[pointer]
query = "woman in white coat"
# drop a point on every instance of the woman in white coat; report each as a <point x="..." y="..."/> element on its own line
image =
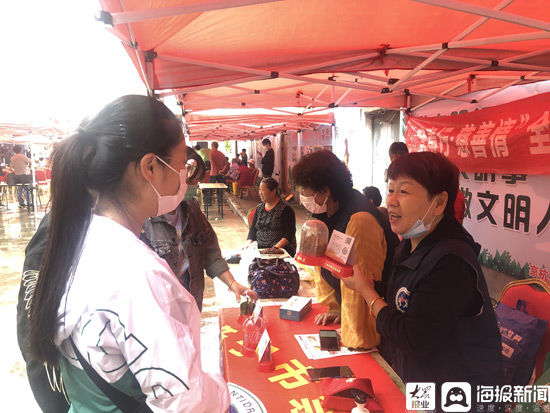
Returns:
<point x="103" y="298"/>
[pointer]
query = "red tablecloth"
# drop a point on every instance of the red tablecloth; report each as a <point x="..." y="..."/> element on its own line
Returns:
<point x="287" y="388"/>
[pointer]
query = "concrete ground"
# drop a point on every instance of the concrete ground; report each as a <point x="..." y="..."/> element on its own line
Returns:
<point x="17" y="227"/>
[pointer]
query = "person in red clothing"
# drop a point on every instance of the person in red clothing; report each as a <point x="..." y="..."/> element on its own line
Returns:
<point x="245" y="175"/>
<point x="217" y="163"/>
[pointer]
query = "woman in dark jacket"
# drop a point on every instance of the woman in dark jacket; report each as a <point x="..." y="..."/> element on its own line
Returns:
<point x="437" y="316"/>
<point x="274" y="224"/>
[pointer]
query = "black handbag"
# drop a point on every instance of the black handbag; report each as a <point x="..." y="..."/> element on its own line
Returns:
<point x="274" y="278"/>
<point x="121" y="400"/>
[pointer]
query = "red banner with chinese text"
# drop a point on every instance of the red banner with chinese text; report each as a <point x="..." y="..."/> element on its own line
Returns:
<point x="514" y="137"/>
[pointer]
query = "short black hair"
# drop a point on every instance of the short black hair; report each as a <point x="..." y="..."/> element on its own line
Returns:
<point x="215" y="145"/>
<point x="17" y="148"/>
<point x="271" y="184"/>
<point x="398" y="148"/>
<point x="243" y="150"/>
<point x="197" y="147"/>
<point x="323" y="169"/>
<point x="433" y="170"/>
<point x="373" y="193"/>
<point x="266" y="141"/>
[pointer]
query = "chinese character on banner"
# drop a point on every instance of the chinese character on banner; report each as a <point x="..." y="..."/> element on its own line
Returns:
<point x="468" y="201"/>
<point x="540" y="135"/>
<point x="512" y="179"/>
<point x="523" y="120"/>
<point x="462" y="140"/>
<point x="479" y="139"/>
<point x="444" y="140"/>
<point x="484" y="177"/>
<point x="544" y="222"/>
<point x="487" y="207"/>
<point x="433" y="141"/>
<point x="517" y="210"/>
<point x="499" y="146"/>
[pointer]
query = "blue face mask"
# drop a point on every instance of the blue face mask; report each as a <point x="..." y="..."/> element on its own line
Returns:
<point x="191" y="192"/>
<point x="418" y="229"/>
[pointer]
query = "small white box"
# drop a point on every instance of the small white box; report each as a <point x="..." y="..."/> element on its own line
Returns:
<point x="295" y="308"/>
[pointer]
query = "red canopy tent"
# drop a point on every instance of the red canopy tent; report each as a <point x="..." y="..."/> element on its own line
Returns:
<point x="398" y="54"/>
<point x="250" y="125"/>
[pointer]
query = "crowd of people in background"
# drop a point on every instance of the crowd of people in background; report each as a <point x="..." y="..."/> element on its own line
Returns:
<point x="417" y="285"/>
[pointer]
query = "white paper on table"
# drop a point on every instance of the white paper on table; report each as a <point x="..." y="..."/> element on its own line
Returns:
<point x="312" y="348"/>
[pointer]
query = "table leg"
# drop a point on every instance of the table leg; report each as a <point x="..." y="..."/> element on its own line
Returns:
<point x="221" y="203"/>
<point x="206" y="204"/>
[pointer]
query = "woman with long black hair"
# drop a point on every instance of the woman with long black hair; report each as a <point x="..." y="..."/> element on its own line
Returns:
<point x="104" y="299"/>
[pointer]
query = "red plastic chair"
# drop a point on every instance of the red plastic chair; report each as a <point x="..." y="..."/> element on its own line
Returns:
<point x="250" y="216"/>
<point x="536" y="293"/>
<point x="40" y="176"/>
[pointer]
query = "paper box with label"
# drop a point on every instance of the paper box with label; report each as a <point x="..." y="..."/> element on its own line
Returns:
<point x="295" y="308"/>
<point x="340" y="248"/>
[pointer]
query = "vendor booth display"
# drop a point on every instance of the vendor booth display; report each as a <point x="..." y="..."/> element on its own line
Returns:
<point x="317" y="250"/>
<point x="289" y="387"/>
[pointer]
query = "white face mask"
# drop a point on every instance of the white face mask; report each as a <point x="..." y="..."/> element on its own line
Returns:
<point x="309" y="203"/>
<point x="167" y="203"/>
<point x="418" y="229"/>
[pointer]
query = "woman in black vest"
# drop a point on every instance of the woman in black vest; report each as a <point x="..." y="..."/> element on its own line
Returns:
<point x="437" y="316"/>
<point x="274" y="224"/>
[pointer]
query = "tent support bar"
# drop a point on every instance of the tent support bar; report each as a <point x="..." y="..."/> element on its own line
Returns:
<point x="211" y="86"/>
<point x="515" y="66"/>
<point x="374" y="97"/>
<point x="264" y="73"/>
<point x="438" y="53"/>
<point x="525" y="55"/>
<point x="473" y="42"/>
<point x="368" y="76"/>
<point x="483" y="75"/>
<point x="444" y="75"/>
<point x="341" y="98"/>
<point x="441" y="96"/>
<point x="138" y="57"/>
<point x="500" y="89"/>
<point x="419" y="67"/>
<point x="487" y="12"/>
<point x="481" y="21"/>
<point x="443" y="93"/>
<point x="199" y="7"/>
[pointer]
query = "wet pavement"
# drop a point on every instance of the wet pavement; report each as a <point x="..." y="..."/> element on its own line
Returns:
<point x="17" y="226"/>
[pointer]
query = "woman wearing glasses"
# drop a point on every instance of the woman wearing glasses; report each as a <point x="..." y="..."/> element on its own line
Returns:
<point x="187" y="241"/>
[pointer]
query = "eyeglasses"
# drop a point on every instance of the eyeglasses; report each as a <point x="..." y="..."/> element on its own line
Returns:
<point x="192" y="167"/>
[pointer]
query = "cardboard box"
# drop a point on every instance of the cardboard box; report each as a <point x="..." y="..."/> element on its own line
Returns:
<point x="295" y="308"/>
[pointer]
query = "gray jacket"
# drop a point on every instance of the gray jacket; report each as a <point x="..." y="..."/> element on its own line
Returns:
<point x="200" y="247"/>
